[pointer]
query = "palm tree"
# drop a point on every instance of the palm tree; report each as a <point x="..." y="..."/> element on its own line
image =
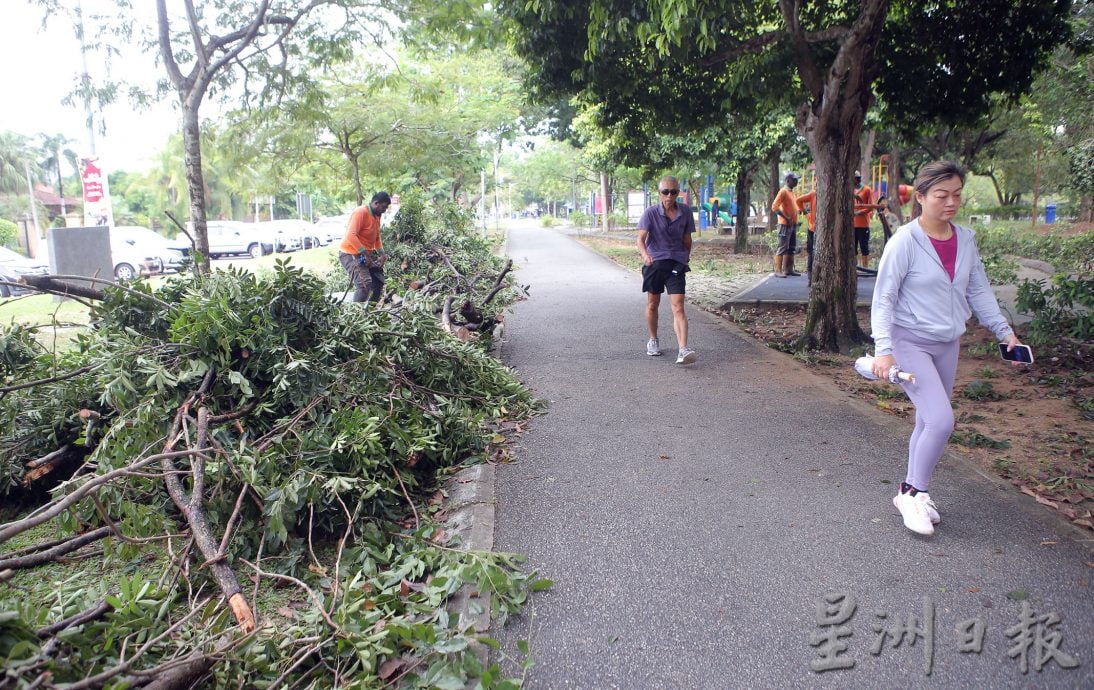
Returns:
<point x="53" y="154"/>
<point x="15" y="155"/>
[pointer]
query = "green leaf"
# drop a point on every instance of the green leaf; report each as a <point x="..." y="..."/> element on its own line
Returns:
<point x="541" y="585"/>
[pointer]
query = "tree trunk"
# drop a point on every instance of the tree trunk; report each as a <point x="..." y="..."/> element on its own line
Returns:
<point x="355" y="166"/>
<point x="195" y="178"/>
<point x="606" y="195"/>
<point x="894" y="183"/>
<point x="1086" y="209"/>
<point x="743" y="190"/>
<point x="1000" y="197"/>
<point x="774" y="182"/>
<point x="831" y="320"/>
<point x="832" y="124"/>
<point x="864" y="166"/>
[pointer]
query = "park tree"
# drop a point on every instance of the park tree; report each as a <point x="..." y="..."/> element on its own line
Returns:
<point x="54" y="154"/>
<point x="400" y="121"/>
<point x="834" y="57"/>
<point x="16" y="155"/>
<point x="253" y="52"/>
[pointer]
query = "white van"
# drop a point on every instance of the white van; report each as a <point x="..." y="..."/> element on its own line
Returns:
<point x="136" y="251"/>
<point x="228" y="237"/>
<point x="331" y="230"/>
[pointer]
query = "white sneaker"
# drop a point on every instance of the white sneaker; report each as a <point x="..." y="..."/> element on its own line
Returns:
<point x="914" y="511"/>
<point x="932" y="509"/>
<point x="687" y="356"/>
<point x="652" y="348"/>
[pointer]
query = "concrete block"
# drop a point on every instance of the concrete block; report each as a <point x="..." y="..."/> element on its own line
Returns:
<point x="81" y="252"/>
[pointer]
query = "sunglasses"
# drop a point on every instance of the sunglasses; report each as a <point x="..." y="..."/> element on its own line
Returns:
<point x="670" y="191"/>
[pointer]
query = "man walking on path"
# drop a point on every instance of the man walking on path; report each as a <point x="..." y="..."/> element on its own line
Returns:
<point x="785" y="207"/>
<point x="664" y="241"/>
<point x="362" y="251"/>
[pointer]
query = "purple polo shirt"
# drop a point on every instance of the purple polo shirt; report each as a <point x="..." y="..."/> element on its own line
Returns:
<point x="666" y="238"/>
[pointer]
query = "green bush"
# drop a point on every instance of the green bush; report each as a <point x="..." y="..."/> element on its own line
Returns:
<point x="548" y="221"/>
<point x="9" y="231"/>
<point x="1073" y="253"/>
<point x="579" y="218"/>
<point x="618" y="220"/>
<point x="1066" y="308"/>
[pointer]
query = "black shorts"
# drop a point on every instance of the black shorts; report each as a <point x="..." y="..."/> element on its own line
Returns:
<point x="862" y="239"/>
<point x="664" y="275"/>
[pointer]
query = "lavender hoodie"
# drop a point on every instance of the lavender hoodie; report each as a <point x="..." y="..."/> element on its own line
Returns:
<point x="914" y="291"/>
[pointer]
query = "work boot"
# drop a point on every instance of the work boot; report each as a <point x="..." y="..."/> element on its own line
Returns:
<point x="789" y="266"/>
<point x="779" y="259"/>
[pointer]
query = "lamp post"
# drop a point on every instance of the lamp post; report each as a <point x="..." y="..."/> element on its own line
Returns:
<point x="510" y="200"/>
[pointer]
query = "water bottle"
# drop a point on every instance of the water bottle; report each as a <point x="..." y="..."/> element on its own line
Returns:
<point x="865" y="367"/>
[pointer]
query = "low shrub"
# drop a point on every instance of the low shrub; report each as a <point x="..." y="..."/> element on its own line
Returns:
<point x="1066" y="308"/>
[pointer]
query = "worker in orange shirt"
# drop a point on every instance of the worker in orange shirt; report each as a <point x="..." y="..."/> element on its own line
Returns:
<point x="864" y="213"/>
<point x="785" y="207"/>
<point x="362" y="251"/>
<point x="808" y="203"/>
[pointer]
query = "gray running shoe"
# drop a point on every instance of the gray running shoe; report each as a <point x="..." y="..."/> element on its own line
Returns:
<point x="687" y="356"/>
<point x="652" y="348"/>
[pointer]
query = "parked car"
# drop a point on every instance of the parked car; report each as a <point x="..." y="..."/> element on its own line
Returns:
<point x="331" y="230"/>
<point x="14" y="266"/>
<point x="293" y="234"/>
<point x="227" y="237"/>
<point x="136" y="250"/>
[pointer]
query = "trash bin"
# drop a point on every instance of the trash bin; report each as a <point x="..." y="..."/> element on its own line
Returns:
<point x="1050" y="213"/>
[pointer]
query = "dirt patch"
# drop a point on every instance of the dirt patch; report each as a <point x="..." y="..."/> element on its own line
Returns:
<point x="1031" y="425"/>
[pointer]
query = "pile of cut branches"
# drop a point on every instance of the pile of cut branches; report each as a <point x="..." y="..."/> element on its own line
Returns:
<point x="253" y="468"/>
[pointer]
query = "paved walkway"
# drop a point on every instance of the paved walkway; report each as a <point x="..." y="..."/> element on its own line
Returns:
<point x="693" y="518"/>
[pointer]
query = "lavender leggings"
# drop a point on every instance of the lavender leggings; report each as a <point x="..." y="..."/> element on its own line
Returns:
<point x="935" y="366"/>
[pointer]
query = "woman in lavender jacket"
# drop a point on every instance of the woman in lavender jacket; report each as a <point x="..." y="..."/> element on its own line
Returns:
<point x="930" y="280"/>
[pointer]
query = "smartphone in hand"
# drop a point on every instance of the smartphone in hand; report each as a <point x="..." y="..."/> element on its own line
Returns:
<point x="1020" y="353"/>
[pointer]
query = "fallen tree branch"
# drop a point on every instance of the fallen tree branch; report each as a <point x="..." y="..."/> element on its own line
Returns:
<point x="53" y="379"/>
<point x="50" y="457"/>
<point x="94" y="613"/>
<point x="100" y="679"/>
<point x="446" y="321"/>
<point x="308" y="590"/>
<point x="50" y="554"/>
<point x="52" y="285"/>
<point x="417" y="523"/>
<point x="194" y="512"/>
<point x="498" y="283"/>
<point x="10" y="529"/>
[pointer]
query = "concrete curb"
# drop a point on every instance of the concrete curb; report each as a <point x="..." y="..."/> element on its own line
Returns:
<point x="470" y="506"/>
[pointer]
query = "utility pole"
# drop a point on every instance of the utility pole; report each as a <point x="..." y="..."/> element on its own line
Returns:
<point x="1036" y="185"/>
<point x="482" y="200"/>
<point x="85" y="78"/>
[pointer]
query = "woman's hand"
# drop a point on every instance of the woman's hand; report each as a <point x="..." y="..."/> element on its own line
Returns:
<point x="882" y="365"/>
<point x="1010" y="341"/>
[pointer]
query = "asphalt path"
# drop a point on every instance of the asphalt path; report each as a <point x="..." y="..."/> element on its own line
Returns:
<point x="694" y="518"/>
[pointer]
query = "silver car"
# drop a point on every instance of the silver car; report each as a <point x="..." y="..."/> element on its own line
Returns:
<point x="14" y="266"/>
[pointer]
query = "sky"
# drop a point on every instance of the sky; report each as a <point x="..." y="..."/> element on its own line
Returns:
<point x="41" y="66"/>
